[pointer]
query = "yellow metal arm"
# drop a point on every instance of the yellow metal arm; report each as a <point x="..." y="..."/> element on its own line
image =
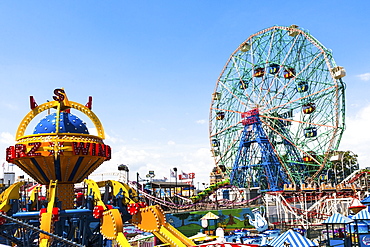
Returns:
<point x="92" y="187"/>
<point x="12" y="192"/>
<point x="130" y="195"/>
<point x="152" y="219"/>
<point x="148" y="219"/>
<point x="111" y="225"/>
<point x="46" y="221"/>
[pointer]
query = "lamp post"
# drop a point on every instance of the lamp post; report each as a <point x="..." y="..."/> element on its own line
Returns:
<point x="175" y="170"/>
<point x="341" y="160"/>
<point x="137" y="183"/>
<point x="124" y="168"/>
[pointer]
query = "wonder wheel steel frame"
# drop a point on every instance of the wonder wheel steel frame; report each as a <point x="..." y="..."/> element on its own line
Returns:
<point x="277" y="109"/>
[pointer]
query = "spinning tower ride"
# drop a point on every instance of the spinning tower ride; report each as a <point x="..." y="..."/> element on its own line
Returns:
<point x="58" y="154"/>
<point x="60" y="147"/>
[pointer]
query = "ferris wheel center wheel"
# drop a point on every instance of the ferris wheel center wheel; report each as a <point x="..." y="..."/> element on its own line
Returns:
<point x="277" y="110"/>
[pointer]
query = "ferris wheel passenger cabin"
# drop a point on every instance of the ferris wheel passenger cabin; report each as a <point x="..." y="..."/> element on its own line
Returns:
<point x="274" y="68"/>
<point x="220" y="115"/>
<point x="339" y="72"/>
<point x="216" y="96"/>
<point x="289" y="73"/>
<point x="310" y="132"/>
<point x="243" y="84"/>
<point x="308" y="108"/>
<point x="259" y="72"/>
<point x="215" y="143"/>
<point x="302" y="87"/>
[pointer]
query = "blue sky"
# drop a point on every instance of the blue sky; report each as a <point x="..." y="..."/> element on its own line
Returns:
<point x="151" y="67"/>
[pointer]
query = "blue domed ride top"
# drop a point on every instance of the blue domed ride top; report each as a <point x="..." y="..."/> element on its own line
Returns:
<point x="68" y="123"/>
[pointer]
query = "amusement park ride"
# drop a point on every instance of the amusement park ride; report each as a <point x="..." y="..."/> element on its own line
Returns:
<point x="276" y="120"/>
<point x="277" y="116"/>
<point x="59" y="154"/>
<point x="277" y="110"/>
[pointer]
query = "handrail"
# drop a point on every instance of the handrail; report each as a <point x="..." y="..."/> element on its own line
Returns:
<point x="31" y="227"/>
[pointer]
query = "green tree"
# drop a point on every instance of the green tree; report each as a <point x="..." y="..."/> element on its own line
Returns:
<point x="344" y="163"/>
<point x="182" y="217"/>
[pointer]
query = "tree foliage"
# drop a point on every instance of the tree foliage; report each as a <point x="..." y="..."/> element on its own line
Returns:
<point x="343" y="163"/>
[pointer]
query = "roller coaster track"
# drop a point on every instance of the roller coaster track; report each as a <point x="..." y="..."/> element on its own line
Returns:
<point x="293" y="210"/>
<point x="184" y="198"/>
<point x="33" y="228"/>
<point x="354" y="176"/>
<point x="317" y="212"/>
<point x="224" y="203"/>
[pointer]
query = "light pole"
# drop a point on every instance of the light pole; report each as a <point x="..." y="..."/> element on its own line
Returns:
<point x="124" y="168"/>
<point x="341" y="160"/>
<point x="137" y="183"/>
<point x="175" y="170"/>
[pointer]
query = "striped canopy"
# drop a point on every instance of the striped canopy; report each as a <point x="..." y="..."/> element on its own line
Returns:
<point x="366" y="201"/>
<point x="337" y="218"/>
<point x="293" y="238"/>
<point x="362" y="215"/>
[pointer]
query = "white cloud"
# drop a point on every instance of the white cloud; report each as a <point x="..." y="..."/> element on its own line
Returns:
<point x="161" y="159"/>
<point x="364" y="77"/>
<point x="142" y="158"/>
<point x="111" y="139"/>
<point x="7" y="138"/>
<point x="136" y="159"/>
<point x="202" y="121"/>
<point x="93" y="131"/>
<point x="356" y="137"/>
<point x="147" y="121"/>
<point x="11" y="106"/>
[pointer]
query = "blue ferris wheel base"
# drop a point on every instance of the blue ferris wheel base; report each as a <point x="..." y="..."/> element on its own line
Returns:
<point x="259" y="165"/>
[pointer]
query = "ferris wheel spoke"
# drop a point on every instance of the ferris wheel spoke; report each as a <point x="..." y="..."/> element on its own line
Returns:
<point x="265" y="59"/>
<point x="297" y="121"/>
<point x="288" y="140"/>
<point x="285" y="86"/>
<point x="226" y="129"/>
<point x="280" y="92"/>
<point x="232" y="93"/>
<point x="298" y="99"/>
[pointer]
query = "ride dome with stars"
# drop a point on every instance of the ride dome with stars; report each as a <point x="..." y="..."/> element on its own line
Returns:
<point x="68" y="123"/>
<point x="60" y="147"/>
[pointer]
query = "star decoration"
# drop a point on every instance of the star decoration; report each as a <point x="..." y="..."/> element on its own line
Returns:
<point x="56" y="148"/>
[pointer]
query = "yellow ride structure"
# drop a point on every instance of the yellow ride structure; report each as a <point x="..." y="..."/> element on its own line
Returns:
<point x="57" y="155"/>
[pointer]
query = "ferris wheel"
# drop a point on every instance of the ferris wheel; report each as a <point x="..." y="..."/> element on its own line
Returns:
<point x="277" y="109"/>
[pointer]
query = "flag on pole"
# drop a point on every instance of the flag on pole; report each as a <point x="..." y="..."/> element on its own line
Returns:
<point x="172" y="174"/>
<point x="184" y="175"/>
